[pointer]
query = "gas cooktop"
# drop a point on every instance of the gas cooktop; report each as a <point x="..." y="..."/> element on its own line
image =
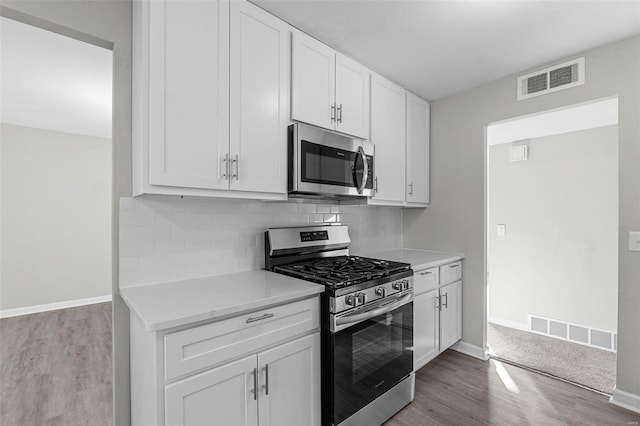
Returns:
<point x="341" y="271"/>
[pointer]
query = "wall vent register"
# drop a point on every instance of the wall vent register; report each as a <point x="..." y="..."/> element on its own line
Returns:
<point x="548" y="80"/>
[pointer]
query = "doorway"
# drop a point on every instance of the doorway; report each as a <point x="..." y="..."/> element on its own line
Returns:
<point x="56" y="187"/>
<point x="552" y="242"/>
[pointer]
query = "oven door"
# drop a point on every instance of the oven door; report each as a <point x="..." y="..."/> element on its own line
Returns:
<point x="372" y="351"/>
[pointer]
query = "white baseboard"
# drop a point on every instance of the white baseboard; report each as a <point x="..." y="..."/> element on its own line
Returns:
<point x="625" y="400"/>
<point x="471" y="350"/>
<point x="53" y="306"/>
<point x="508" y="323"/>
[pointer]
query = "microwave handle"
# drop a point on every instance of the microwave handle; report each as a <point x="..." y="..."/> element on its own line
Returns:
<point x="365" y="173"/>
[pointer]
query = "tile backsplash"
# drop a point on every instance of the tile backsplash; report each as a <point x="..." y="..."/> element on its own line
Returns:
<point x="170" y="238"/>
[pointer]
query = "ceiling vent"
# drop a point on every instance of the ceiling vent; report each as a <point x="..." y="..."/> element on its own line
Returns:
<point x="558" y="77"/>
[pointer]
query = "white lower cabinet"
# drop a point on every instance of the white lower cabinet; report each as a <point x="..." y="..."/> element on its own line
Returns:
<point x="426" y="328"/>
<point x="290" y="383"/>
<point x="450" y="314"/>
<point x="437" y="313"/>
<point x="221" y="396"/>
<point x="280" y="386"/>
<point x="259" y="368"/>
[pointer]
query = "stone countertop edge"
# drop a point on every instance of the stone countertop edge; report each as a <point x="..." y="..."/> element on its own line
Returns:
<point x="162" y="306"/>
<point x="418" y="258"/>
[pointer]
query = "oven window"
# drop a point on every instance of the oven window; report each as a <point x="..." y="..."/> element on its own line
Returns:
<point x="326" y="165"/>
<point x="370" y="358"/>
<point x="375" y="346"/>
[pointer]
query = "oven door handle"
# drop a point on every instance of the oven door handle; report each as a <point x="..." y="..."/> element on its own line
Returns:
<point x="345" y="321"/>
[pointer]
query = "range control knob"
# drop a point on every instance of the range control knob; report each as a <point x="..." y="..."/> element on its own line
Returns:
<point x="397" y="285"/>
<point x="405" y="284"/>
<point x="350" y="300"/>
<point x="381" y="291"/>
<point x="362" y="298"/>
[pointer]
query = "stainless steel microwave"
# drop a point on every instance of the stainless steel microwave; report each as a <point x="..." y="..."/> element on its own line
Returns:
<point x="327" y="164"/>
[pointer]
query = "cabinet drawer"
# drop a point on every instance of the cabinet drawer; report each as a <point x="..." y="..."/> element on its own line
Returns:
<point x="425" y="280"/>
<point x="450" y="273"/>
<point x="207" y="345"/>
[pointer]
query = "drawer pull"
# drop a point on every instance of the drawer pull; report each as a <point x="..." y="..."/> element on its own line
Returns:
<point x="454" y="266"/>
<point x="260" y="318"/>
<point x="426" y="273"/>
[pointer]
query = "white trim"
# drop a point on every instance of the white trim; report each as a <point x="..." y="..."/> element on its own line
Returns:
<point x="471" y="350"/>
<point x="508" y="323"/>
<point x="54" y="306"/>
<point x="625" y="400"/>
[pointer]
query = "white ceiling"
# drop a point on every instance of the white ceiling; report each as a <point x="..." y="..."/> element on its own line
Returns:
<point x="50" y="81"/>
<point x="437" y="48"/>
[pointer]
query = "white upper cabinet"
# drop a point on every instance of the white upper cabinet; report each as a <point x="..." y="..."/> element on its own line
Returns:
<point x="388" y="137"/>
<point x="259" y="101"/>
<point x="417" y="194"/>
<point x="210" y="99"/>
<point x="329" y="90"/>
<point x="188" y="92"/>
<point x="313" y="81"/>
<point x="352" y="97"/>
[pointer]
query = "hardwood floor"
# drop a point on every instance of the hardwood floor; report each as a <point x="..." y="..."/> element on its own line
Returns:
<point x="455" y="389"/>
<point x="55" y="367"/>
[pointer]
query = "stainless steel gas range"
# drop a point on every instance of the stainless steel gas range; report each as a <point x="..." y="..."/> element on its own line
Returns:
<point x="367" y="322"/>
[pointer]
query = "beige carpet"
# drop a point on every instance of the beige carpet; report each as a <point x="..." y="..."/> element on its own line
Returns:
<point x="586" y="366"/>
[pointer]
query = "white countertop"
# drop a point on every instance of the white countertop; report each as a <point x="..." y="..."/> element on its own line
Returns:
<point x="419" y="259"/>
<point x="167" y="305"/>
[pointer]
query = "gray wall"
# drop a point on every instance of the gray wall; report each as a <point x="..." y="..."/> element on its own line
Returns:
<point x="559" y="257"/>
<point x="106" y="23"/>
<point x="56" y="219"/>
<point x="456" y="218"/>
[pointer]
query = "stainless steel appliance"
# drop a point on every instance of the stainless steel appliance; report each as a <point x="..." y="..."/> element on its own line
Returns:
<point x="327" y="164"/>
<point x="367" y="322"/>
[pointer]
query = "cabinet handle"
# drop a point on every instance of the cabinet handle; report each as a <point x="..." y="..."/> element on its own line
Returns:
<point x="266" y="379"/>
<point x="340" y="114"/>
<point x="333" y="112"/>
<point x="446" y="300"/>
<point x="454" y="266"/>
<point x="426" y="273"/>
<point x="260" y="318"/>
<point x="375" y="184"/>
<point x="225" y="164"/>
<point x="438" y="304"/>
<point x="237" y="164"/>
<point x="411" y="188"/>
<point x="254" y="391"/>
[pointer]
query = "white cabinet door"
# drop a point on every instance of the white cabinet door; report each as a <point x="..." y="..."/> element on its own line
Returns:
<point x="259" y="102"/>
<point x="388" y="137"/>
<point x="417" y="151"/>
<point x="313" y="81"/>
<point x="450" y="314"/>
<point x="352" y="97"/>
<point x="290" y="395"/>
<point x="222" y="396"/>
<point x="426" y="327"/>
<point x="188" y="93"/>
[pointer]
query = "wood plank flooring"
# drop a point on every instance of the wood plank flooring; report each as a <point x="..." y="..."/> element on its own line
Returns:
<point x="455" y="389"/>
<point x="55" y="367"/>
